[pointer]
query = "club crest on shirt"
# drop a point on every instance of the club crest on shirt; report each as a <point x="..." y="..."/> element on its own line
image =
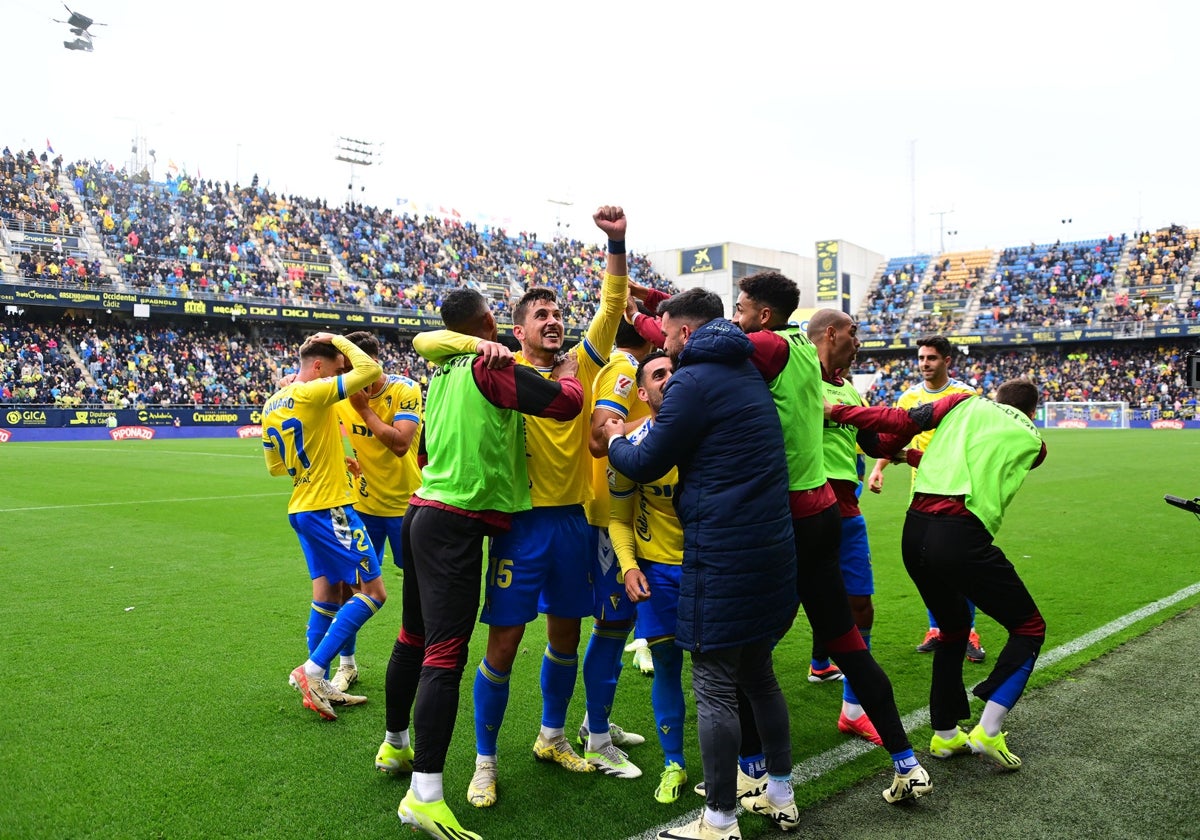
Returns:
<point x="622" y="385"/>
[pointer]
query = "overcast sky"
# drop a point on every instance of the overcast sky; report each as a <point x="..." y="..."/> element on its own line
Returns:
<point x="775" y="124"/>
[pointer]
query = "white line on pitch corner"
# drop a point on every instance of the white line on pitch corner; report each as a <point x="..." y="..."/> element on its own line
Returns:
<point x="143" y="502"/>
<point x="831" y="759"/>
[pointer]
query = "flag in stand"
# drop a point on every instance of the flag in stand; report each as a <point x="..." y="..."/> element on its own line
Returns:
<point x="49" y="148"/>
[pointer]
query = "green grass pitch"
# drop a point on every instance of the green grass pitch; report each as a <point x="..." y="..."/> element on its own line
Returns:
<point x="156" y="601"/>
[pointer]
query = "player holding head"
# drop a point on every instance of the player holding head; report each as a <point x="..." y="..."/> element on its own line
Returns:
<point x="648" y="542"/>
<point x="969" y="474"/>
<point x="473" y="485"/>
<point x="381" y="423"/>
<point x="934" y="355"/>
<point x="302" y="439"/>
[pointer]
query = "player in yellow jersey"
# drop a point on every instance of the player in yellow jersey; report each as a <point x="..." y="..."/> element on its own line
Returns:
<point x="934" y="354"/>
<point x="544" y="563"/>
<point x="302" y="439"/>
<point x="648" y="541"/>
<point x="382" y="423"/>
<point x="614" y="394"/>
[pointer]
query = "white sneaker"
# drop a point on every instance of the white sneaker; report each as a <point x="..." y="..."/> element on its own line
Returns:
<point x="612" y="762"/>
<point x="344" y="677"/>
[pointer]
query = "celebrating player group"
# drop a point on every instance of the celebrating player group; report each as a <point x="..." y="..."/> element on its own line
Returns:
<point x="693" y="476"/>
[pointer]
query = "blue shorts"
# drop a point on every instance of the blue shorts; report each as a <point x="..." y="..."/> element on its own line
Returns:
<point x="656" y="617"/>
<point x="544" y="564"/>
<point x="385" y="529"/>
<point x="611" y="602"/>
<point x="336" y="545"/>
<point x="855" y="557"/>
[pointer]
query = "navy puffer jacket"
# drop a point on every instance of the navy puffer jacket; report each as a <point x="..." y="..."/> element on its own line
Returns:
<point x="719" y="424"/>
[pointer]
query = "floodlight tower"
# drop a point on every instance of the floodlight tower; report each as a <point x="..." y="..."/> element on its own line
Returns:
<point x="357" y="153"/>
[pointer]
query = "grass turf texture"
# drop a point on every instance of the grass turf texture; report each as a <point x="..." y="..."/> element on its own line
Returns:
<point x="174" y="718"/>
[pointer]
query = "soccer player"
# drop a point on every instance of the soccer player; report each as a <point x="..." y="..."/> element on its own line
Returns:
<point x="648" y="542"/>
<point x="614" y="394"/>
<point x="382" y="422"/>
<point x="788" y="361"/>
<point x="934" y="354"/>
<point x="835" y="336"/>
<point x="737" y="579"/>
<point x="544" y="563"/>
<point x="970" y="472"/>
<point x="301" y="438"/>
<point x="474" y="482"/>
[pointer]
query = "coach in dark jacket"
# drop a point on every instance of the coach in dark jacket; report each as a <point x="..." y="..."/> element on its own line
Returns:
<point x="719" y="425"/>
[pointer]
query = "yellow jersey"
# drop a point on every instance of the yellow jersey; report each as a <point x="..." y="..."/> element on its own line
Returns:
<point x="642" y="519"/>
<point x="301" y="435"/>
<point x="387" y="481"/>
<point x="920" y="395"/>
<point x="615" y="390"/>
<point x="560" y="465"/>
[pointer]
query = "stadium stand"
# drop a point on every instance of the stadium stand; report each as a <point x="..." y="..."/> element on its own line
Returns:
<point x="91" y="226"/>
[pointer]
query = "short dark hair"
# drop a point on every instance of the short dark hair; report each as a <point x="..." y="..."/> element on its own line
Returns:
<point x="770" y="288"/>
<point x="939" y="343"/>
<point x="1020" y="393"/>
<point x="365" y="342"/>
<point x="627" y="336"/>
<point x="657" y="354"/>
<point x="531" y="296"/>
<point x="696" y="305"/>
<point x="318" y="350"/>
<point x="462" y="306"/>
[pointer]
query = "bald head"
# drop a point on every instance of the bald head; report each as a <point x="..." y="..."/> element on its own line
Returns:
<point x="822" y="320"/>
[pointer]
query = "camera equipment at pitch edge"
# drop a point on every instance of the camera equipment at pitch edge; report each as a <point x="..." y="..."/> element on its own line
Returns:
<point x="1191" y="505"/>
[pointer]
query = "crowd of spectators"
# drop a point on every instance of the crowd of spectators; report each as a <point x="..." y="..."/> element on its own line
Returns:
<point x="1161" y="256"/>
<point x="888" y="301"/>
<point x="1151" y="377"/>
<point x="138" y="365"/>
<point x="403" y="261"/>
<point x="123" y="364"/>
<point x="29" y="193"/>
<point x="1059" y="285"/>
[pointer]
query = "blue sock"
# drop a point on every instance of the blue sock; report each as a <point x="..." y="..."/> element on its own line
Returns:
<point x="819" y="664"/>
<point x="1011" y="689"/>
<point x="319" y="618"/>
<point x="558" y="684"/>
<point x="754" y="765"/>
<point x="904" y="761"/>
<point x="848" y="695"/>
<point x="491" y="700"/>
<point x="971" y="605"/>
<point x="351" y="644"/>
<point x="353" y="615"/>
<point x="933" y="621"/>
<point x="666" y="698"/>
<point x="601" y="665"/>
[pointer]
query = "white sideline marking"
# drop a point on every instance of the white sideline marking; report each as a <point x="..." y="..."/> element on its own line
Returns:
<point x="145" y="502"/>
<point x="831" y="759"/>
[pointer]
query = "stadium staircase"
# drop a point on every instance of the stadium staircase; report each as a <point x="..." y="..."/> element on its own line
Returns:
<point x="917" y="307"/>
<point x="84" y="373"/>
<point x="335" y="261"/>
<point x="7" y="267"/>
<point x="971" y="310"/>
<point x="94" y="242"/>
